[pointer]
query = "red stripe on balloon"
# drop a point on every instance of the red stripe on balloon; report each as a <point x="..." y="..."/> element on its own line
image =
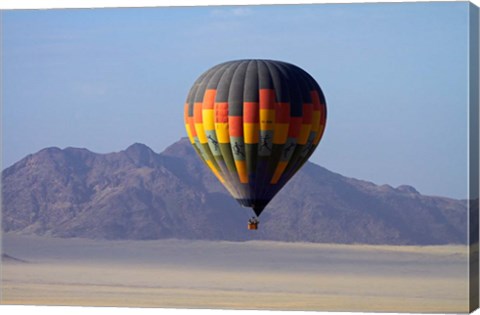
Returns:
<point x="235" y="126"/>
<point x="197" y="113"/>
<point x="307" y="113"/>
<point x="251" y="112"/>
<point x="282" y="113"/>
<point x="221" y="112"/>
<point x="267" y="98"/>
<point x="295" y="126"/>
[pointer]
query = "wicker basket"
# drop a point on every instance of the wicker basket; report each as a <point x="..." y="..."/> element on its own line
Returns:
<point x="253" y="226"/>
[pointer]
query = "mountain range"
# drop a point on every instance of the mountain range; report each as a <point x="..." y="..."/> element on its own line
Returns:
<point x="142" y="195"/>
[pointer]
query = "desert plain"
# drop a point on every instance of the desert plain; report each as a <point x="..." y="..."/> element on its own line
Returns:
<point x="234" y="275"/>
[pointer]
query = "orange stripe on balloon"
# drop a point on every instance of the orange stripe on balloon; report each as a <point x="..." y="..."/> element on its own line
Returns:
<point x="251" y="112"/>
<point x="221" y="112"/>
<point x="197" y="113"/>
<point x="185" y="113"/>
<point x="235" y="126"/>
<point x="191" y="123"/>
<point x="209" y="99"/>
<point x="267" y="98"/>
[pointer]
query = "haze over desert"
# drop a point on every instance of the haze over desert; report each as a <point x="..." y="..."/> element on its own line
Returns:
<point x="234" y="275"/>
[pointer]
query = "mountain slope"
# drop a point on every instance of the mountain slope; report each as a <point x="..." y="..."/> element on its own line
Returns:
<point x="138" y="194"/>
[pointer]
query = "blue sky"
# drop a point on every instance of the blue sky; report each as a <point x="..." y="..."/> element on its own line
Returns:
<point x="394" y="75"/>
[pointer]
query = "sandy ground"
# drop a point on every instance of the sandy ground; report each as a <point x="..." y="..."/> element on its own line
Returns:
<point x="228" y="275"/>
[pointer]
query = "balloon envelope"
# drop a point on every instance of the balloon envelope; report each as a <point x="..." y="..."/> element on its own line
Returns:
<point x="255" y="123"/>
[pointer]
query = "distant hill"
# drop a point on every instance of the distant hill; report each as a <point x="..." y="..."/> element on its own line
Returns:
<point x="9" y="259"/>
<point x="139" y="194"/>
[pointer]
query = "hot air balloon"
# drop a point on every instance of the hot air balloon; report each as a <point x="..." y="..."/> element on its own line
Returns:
<point x="255" y="123"/>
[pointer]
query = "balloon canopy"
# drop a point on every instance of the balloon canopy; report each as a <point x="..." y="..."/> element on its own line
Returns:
<point x="255" y="123"/>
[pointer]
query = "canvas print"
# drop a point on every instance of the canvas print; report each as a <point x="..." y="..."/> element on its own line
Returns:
<point x="319" y="157"/>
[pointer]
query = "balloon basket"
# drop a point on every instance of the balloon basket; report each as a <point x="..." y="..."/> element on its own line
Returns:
<point x="253" y="226"/>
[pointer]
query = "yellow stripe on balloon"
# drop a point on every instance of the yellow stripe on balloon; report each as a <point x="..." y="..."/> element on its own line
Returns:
<point x="215" y="171"/>
<point x="319" y="134"/>
<point x="189" y="133"/>
<point x="278" y="172"/>
<point x="202" y="136"/>
<point x="250" y="133"/>
<point x="223" y="135"/>
<point x="242" y="171"/>
<point x="267" y="119"/>
<point x="208" y="119"/>
<point x="304" y="133"/>
<point x="280" y="133"/>
<point x="316" y="120"/>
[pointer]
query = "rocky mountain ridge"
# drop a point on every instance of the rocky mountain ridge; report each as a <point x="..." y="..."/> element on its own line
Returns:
<point x="139" y="194"/>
